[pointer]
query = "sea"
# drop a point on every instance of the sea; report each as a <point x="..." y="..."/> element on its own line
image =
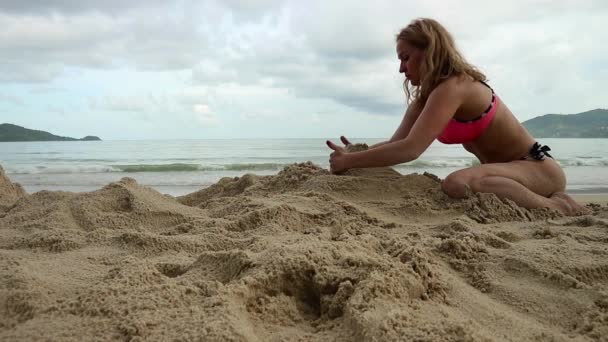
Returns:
<point x="179" y="167"/>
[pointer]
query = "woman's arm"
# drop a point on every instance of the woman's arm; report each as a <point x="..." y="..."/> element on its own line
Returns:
<point x="411" y="114"/>
<point x="379" y="144"/>
<point x="440" y="107"/>
<point x="388" y="154"/>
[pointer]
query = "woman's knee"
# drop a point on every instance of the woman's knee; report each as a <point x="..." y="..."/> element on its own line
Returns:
<point x="482" y="184"/>
<point x="455" y="184"/>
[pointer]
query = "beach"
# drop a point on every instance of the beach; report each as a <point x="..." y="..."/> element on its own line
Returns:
<point x="300" y="255"/>
<point x="279" y="171"/>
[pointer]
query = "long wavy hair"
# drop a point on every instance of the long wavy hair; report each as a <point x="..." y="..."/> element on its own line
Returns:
<point x="441" y="58"/>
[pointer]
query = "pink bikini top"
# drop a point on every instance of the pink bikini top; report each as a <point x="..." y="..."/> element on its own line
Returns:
<point x="459" y="131"/>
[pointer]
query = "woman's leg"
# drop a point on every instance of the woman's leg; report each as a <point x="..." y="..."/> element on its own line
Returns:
<point x="530" y="184"/>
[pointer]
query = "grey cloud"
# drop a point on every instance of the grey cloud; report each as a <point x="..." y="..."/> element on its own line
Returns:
<point x="61" y="110"/>
<point x="46" y="90"/>
<point x="288" y="56"/>
<point x="382" y="97"/>
<point x="246" y="8"/>
<point x="337" y="50"/>
<point x="189" y="97"/>
<point x="11" y="99"/>
<point x="371" y="105"/>
<point x="138" y="106"/>
<point x="251" y="10"/>
<point x="211" y="73"/>
<point x="527" y="61"/>
<point x="542" y="65"/>
<point x="70" y="6"/>
<point x="119" y="104"/>
<point x="276" y="49"/>
<point x="28" y="73"/>
<point x="35" y="48"/>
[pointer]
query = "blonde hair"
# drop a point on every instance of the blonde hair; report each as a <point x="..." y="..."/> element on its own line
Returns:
<point x="441" y="58"/>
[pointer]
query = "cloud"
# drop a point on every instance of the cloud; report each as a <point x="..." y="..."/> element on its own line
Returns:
<point x="251" y="59"/>
<point x="248" y="10"/>
<point x="120" y="104"/>
<point x="61" y="110"/>
<point x="75" y="7"/>
<point x="37" y="48"/>
<point x="211" y="73"/>
<point x="273" y="53"/>
<point x="193" y="95"/>
<point x="255" y="114"/>
<point x="143" y="107"/>
<point x="28" y="73"/>
<point x="203" y="115"/>
<point x="46" y="90"/>
<point x="11" y="99"/>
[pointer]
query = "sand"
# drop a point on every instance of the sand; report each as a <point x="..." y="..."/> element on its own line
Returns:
<point x="303" y="255"/>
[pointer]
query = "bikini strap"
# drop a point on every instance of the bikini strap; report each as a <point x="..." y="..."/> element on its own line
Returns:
<point x="487" y="85"/>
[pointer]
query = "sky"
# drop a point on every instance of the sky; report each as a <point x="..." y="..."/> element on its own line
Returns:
<point x="206" y="69"/>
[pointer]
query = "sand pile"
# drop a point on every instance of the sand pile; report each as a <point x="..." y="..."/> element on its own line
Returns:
<point x="299" y="256"/>
<point x="9" y="192"/>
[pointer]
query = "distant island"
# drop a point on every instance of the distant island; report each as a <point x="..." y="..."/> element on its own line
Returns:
<point x="591" y="124"/>
<point x="10" y="132"/>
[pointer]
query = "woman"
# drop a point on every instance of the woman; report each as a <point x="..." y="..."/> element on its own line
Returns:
<point x="451" y="102"/>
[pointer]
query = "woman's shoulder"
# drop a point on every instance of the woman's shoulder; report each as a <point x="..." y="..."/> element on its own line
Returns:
<point x="462" y="80"/>
<point x="456" y="84"/>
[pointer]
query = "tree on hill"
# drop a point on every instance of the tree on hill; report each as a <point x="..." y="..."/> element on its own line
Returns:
<point x="590" y="124"/>
<point x="10" y="132"/>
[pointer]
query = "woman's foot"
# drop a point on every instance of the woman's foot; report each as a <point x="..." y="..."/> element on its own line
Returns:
<point x="567" y="205"/>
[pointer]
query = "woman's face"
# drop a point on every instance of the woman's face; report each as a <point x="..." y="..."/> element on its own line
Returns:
<point x="410" y="59"/>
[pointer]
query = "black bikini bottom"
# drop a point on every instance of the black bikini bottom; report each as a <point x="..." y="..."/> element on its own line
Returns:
<point x="538" y="152"/>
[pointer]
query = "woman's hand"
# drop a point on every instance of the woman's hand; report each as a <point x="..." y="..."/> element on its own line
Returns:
<point x="337" y="160"/>
<point x="345" y="141"/>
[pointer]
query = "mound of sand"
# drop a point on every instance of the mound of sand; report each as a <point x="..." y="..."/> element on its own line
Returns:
<point x="9" y="192"/>
<point x="303" y="255"/>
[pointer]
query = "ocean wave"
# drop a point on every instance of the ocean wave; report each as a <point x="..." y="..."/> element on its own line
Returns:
<point x="76" y="160"/>
<point x="255" y="167"/>
<point x="439" y="163"/>
<point x="455" y="163"/>
<point x="157" y="167"/>
<point x="44" y="153"/>
<point x="134" y="168"/>
<point x="76" y="168"/>
<point x="57" y="169"/>
<point x="583" y="161"/>
<point x="179" y="167"/>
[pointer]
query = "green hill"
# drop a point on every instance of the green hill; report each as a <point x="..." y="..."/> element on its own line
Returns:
<point x="591" y="124"/>
<point x="10" y="132"/>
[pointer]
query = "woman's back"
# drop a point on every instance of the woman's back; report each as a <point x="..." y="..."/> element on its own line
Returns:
<point x="505" y="138"/>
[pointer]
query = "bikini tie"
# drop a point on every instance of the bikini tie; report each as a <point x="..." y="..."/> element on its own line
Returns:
<point x="539" y="151"/>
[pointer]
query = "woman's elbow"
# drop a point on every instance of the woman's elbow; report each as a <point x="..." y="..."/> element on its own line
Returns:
<point x="413" y="151"/>
<point x="405" y="156"/>
<point x="413" y="155"/>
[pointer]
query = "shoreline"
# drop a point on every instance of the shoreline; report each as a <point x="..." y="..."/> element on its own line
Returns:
<point x="586" y="198"/>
